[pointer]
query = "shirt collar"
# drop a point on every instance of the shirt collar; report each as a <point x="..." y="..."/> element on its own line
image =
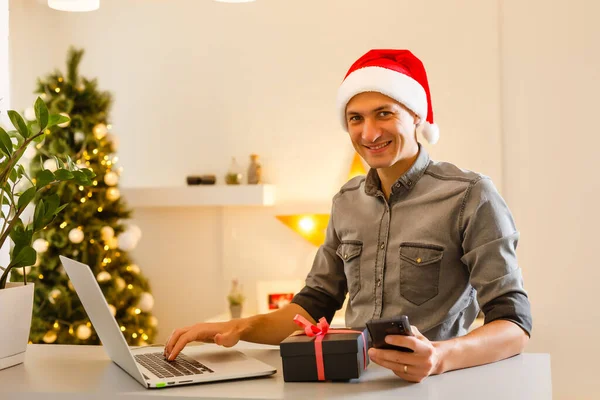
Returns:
<point x="408" y="179"/>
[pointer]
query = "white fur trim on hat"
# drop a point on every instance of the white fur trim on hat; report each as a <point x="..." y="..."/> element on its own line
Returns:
<point x="396" y="85"/>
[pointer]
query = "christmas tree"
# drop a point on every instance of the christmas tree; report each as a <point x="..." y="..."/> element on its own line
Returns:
<point x="92" y="229"/>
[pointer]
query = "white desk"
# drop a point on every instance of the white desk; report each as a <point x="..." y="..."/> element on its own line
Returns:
<point x="63" y="372"/>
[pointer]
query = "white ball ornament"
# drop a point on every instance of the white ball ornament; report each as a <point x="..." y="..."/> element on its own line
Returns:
<point x="107" y="233"/>
<point x="127" y="241"/>
<point x="113" y="194"/>
<point x="50" y="164"/>
<point x="153" y="321"/>
<point x="65" y="124"/>
<point x="103" y="276"/>
<point x="113" y="310"/>
<point x="111" y="178"/>
<point x="53" y="295"/>
<point x="114" y="140"/>
<point x="50" y="337"/>
<point x="100" y="131"/>
<point x="135" y="230"/>
<point x="40" y="245"/>
<point x="29" y="114"/>
<point x="30" y="152"/>
<point x="119" y="284"/>
<point x="78" y="137"/>
<point x="76" y="235"/>
<point x="83" y="332"/>
<point x="146" y="302"/>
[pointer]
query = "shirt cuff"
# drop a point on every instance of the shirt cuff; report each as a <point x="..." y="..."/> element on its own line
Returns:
<point x="512" y="306"/>
<point x="318" y="304"/>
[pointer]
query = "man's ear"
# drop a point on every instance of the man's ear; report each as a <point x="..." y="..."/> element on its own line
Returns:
<point x="417" y="120"/>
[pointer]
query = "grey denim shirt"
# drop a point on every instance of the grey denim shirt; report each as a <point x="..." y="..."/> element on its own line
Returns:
<point x="442" y="246"/>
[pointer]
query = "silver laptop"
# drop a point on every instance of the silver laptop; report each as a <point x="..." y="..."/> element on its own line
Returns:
<point x="206" y="363"/>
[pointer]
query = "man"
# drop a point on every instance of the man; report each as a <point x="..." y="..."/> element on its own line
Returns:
<point x="414" y="237"/>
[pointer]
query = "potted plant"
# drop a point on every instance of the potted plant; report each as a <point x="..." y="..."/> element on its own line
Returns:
<point x="236" y="299"/>
<point x="17" y="191"/>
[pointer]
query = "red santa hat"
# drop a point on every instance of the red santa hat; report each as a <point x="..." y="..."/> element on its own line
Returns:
<point x="397" y="74"/>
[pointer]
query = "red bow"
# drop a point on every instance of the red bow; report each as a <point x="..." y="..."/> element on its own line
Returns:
<point x="319" y="331"/>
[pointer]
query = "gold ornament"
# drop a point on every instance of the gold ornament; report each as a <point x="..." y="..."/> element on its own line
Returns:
<point x="83" y="332"/>
<point x="50" y="337"/>
<point x="111" y="178"/>
<point x="107" y="233"/>
<point x="76" y="235"/>
<point x="54" y="294"/>
<point x="100" y="130"/>
<point x="119" y="283"/>
<point x="103" y="276"/>
<point x="113" y="194"/>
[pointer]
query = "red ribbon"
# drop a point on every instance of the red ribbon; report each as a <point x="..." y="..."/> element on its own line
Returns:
<point x="319" y="331"/>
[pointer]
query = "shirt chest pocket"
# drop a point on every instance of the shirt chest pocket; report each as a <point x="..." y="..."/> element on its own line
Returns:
<point x="349" y="252"/>
<point x="420" y="271"/>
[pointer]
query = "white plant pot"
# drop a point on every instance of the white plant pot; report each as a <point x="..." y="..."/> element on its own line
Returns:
<point x="16" y="308"/>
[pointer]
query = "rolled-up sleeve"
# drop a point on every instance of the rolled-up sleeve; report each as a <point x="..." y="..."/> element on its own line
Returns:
<point x="326" y="287"/>
<point x="489" y="239"/>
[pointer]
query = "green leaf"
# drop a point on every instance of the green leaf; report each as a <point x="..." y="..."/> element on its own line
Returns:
<point x="20" y="235"/>
<point x="13" y="175"/>
<point x="21" y="170"/>
<point x="19" y="123"/>
<point x="56" y="119"/>
<point x="39" y="139"/>
<point x="26" y="197"/>
<point x="44" y="177"/>
<point x="63" y="174"/>
<point x="24" y="258"/>
<point x="81" y="178"/>
<point x="88" y="172"/>
<point x="59" y="162"/>
<point x="6" y="145"/>
<point x="39" y="215"/>
<point x="41" y="113"/>
<point x="59" y="209"/>
<point x="52" y="203"/>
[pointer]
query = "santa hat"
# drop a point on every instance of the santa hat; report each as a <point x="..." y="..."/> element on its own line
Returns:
<point x="397" y="74"/>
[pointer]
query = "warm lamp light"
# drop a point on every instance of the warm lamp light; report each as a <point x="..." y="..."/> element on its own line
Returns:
<point x="74" y="5"/>
<point x="310" y="226"/>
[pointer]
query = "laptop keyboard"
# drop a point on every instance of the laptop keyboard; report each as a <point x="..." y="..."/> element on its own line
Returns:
<point x="181" y="366"/>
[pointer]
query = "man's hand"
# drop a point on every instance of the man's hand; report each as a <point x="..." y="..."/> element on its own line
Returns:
<point x="225" y="334"/>
<point x="412" y="367"/>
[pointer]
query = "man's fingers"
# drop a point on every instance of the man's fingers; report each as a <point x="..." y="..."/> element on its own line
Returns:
<point x="416" y="332"/>
<point x="181" y="342"/>
<point x="173" y="339"/>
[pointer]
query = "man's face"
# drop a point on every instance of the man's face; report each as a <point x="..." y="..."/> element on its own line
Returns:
<point x="381" y="129"/>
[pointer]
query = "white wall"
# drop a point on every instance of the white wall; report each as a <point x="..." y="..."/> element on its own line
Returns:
<point x="4" y="94"/>
<point x="551" y="64"/>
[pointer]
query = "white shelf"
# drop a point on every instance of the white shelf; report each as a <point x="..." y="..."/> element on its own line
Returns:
<point x="200" y="195"/>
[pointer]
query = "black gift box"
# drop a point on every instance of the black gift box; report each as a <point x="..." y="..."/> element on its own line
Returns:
<point x="343" y="356"/>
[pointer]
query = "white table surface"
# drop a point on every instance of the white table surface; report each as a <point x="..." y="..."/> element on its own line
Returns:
<point x="68" y="372"/>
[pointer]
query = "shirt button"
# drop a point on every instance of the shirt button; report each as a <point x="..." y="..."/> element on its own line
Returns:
<point x="378" y="282"/>
<point x="382" y="246"/>
<point x="419" y="260"/>
<point x="346" y="257"/>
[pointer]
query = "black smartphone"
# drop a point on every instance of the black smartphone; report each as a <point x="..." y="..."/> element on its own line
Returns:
<point x="380" y="328"/>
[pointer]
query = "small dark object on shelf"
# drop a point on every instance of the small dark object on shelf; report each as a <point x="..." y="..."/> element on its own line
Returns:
<point x="201" y="180"/>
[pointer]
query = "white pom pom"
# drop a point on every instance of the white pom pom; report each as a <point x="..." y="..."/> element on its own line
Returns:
<point x="146" y="302"/>
<point x="431" y="132"/>
<point x="40" y="245"/>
